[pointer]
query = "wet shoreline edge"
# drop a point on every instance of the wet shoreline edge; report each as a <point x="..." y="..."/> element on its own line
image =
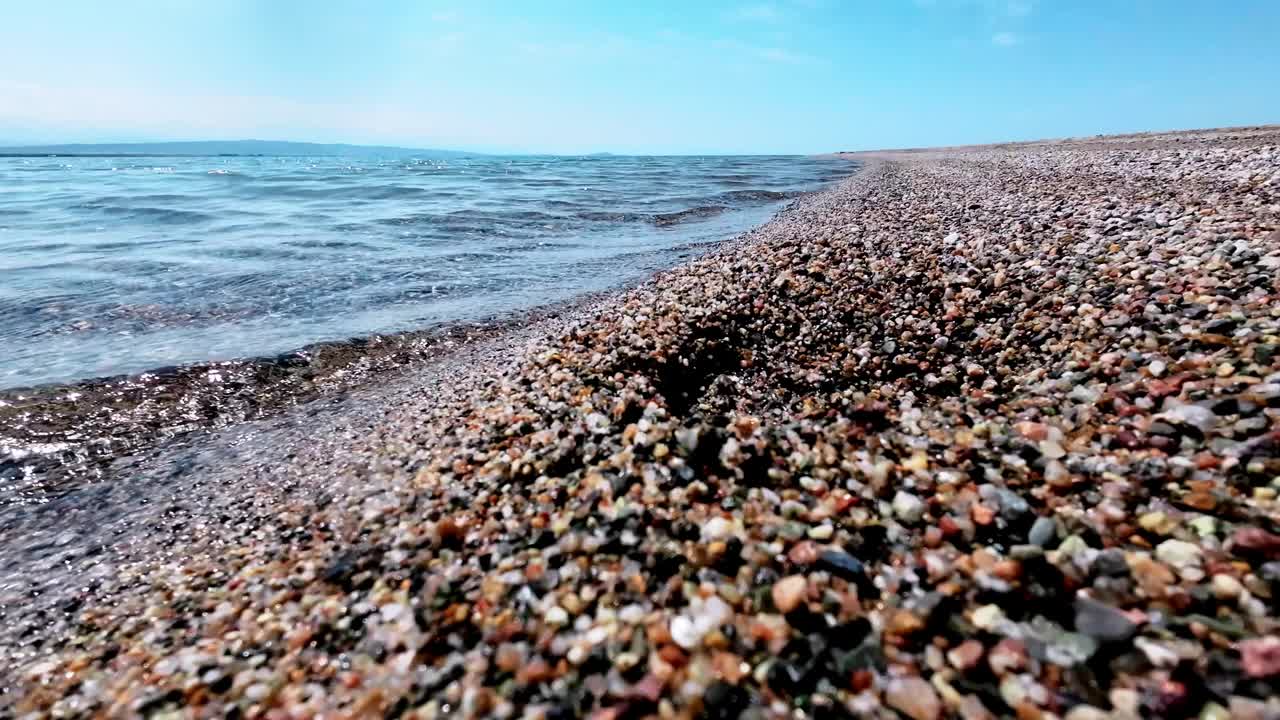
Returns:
<point x="58" y="437"/>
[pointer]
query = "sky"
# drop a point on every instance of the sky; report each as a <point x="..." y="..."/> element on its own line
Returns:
<point x="649" y="77"/>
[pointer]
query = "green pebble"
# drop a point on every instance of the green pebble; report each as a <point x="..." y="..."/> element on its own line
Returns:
<point x="1073" y="545"/>
<point x="1204" y="525"/>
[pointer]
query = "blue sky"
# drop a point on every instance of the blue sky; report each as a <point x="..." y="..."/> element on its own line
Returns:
<point x="767" y="76"/>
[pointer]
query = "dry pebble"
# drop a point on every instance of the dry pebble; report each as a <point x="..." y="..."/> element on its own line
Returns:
<point x="978" y="432"/>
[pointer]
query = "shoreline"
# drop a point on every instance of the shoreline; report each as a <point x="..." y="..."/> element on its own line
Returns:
<point x="61" y="436"/>
<point x="972" y="432"/>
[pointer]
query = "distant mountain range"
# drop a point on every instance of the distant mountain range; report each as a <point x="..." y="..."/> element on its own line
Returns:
<point x="229" y="147"/>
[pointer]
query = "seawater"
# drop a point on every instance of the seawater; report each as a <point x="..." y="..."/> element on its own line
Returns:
<point x="118" y="265"/>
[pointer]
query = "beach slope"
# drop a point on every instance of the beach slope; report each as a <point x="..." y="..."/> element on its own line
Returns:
<point x="977" y="432"/>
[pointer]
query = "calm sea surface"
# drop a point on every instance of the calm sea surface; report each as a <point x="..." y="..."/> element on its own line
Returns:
<point x="113" y="265"/>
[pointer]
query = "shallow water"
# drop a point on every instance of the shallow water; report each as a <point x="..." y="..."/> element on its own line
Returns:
<point x="115" y="265"/>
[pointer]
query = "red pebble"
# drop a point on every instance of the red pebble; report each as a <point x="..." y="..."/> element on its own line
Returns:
<point x="948" y="526"/>
<point x="1257" y="541"/>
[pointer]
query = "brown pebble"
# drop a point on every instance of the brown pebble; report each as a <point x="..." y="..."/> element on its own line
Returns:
<point x="860" y="680"/>
<point x="673" y="656"/>
<point x="966" y="655"/>
<point x="535" y="672"/>
<point x="789" y="592"/>
<point x="903" y="623"/>
<point x="1007" y="570"/>
<point x="981" y="514"/>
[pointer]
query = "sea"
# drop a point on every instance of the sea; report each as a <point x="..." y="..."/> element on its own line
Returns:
<point x="118" y="265"/>
<point x="144" y="300"/>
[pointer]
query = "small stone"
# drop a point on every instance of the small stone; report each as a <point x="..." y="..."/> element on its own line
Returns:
<point x="1085" y="712"/>
<point x="1042" y="531"/>
<point x="509" y="657"/>
<point x="821" y="532"/>
<point x="1073" y="545"/>
<point x="913" y="697"/>
<point x="1008" y="655"/>
<point x="843" y="565"/>
<point x="1246" y="708"/>
<point x="1214" y="711"/>
<point x="1012" y="505"/>
<point x="1110" y="563"/>
<point x="1153" y="577"/>
<point x="982" y="514"/>
<point x="1226" y="587"/>
<point x="1101" y="621"/>
<point x="966" y="655"/>
<point x="685" y="633"/>
<point x="789" y="592"/>
<point x="1260" y="656"/>
<point x="1051" y="449"/>
<point x="1178" y="554"/>
<point x="1156" y="522"/>
<point x="971" y="708"/>
<point x="717" y="528"/>
<point x="1033" y="431"/>
<point x="1195" y="416"/>
<point x="1203" y="501"/>
<point x="1256" y="541"/>
<point x="535" y="672"/>
<point x="903" y="623"/>
<point x="987" y="617"/>
<point x="802" y="553"/>
<point x="556" y="616"/>
<point x="1125" y="700"/>
<point x="1013" y="691"/>
<point x="1056" y="474"/>
<point x="1205" y="525"/>
<point x="908" y="507"/>
<point x="1158" y="655"/>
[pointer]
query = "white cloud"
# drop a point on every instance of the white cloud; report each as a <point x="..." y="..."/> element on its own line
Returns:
<point x="775" y="55"/>
<point x="1006" y="39"/>
<point x="761" y="12"/>
<point x="67" y="110"/>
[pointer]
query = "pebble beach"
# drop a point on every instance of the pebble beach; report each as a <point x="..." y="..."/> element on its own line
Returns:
<point x="977" y="432"/>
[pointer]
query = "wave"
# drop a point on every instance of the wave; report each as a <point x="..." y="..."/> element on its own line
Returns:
<point x="614" y="217"/>
<point x="748" y="196"/>
<point x="159" y="215"/>
<point x="692" y="214"/>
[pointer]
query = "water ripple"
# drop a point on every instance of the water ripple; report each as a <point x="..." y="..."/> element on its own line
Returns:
<point x="119" y="265"/>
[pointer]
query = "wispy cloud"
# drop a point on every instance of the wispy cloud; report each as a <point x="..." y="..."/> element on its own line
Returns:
<point x="1006" y="39"/>
<point x="450" y="43"/>
<point x="990" y="8"/>
<point x="1019" y="8"/>
<point x="759" y="12"/>
<point x="773" y="55"/>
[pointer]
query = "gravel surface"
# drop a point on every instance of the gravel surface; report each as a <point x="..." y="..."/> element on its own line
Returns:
<point x="978" y="432"/>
